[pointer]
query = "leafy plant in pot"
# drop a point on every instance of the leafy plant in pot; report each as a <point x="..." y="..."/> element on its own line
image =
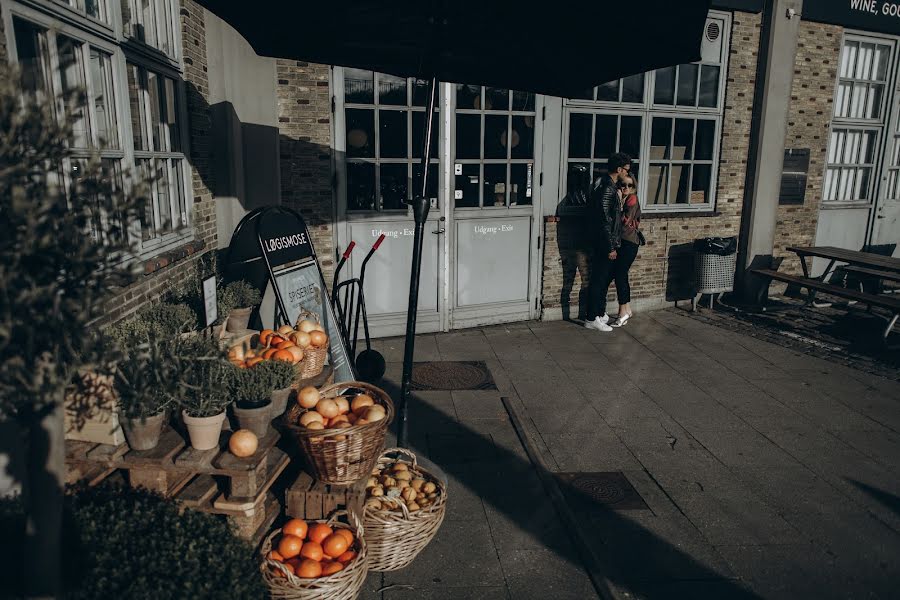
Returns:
<point x="203" y="388"/>
<point x="279" y="376"/>
<point x="146" y="385"/>
<point x="251" y="390"/>
<point x="236" y="302"/>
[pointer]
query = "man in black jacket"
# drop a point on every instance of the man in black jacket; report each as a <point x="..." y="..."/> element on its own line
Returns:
<point x="604" y="231"/>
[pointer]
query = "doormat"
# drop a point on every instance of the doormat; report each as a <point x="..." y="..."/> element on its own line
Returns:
<point x="587" y="492"/>
<point x="451" y="375"/>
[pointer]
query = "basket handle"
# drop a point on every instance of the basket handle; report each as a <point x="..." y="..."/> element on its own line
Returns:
<point x="401" y="451"/>
<point x="396" y="501"/>
<point x="355" y="521"/>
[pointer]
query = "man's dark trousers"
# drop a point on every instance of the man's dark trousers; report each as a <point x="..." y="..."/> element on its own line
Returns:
<point x="601" y="267"/>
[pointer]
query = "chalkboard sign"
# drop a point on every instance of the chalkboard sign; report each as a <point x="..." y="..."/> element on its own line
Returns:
<point x="272" y="245"/>
<point x="793" y="176"/>
<point x="303" y="290"/>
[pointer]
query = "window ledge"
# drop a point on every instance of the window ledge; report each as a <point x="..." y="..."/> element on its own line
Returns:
<point x="163" y="260"/>
<point x="646" y="215"/>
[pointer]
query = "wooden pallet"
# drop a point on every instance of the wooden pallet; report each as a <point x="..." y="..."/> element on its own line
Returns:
<point x="172" y="464"/>
<point x="213" y="482"/>
<point x="311" y="499"/>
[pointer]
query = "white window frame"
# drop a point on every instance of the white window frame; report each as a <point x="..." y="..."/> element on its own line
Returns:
<point x="55" y="18"/>
<point x="647" y="110"/>
<point x="880" y="126"/>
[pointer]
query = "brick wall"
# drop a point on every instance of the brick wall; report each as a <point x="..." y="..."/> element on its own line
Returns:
<point x="304" y="122"/>
<point x="663" y="269"/>
<point x="163" y="272"/>
<point x="815" y="73"/>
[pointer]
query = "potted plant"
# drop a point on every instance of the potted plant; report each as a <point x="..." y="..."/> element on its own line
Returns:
<point x="236" y="302"/>
<point x="280" y="377"/>
<point x="204" y="381"/>
<point x="144" y="383"/>
<point x="251" y="392"/>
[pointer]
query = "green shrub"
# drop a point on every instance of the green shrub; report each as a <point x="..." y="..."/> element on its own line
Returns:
<point x="204" y="376"/>
<point x="124" y="543"/>
<point x="145" y="379"/>
<point x="237" y="294"/>
<point x="277" y="374"/>
<point x="250" y="388"/>
<point x="160" y="320"/>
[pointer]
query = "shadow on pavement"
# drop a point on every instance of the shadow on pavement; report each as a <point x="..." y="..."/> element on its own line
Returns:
<point x="890" y="501"/>
<point x="506" y="479"/>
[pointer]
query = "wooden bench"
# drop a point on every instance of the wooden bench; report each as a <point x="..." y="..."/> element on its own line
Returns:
<point x="889" y="303"/>
<point x="877" y="273"/>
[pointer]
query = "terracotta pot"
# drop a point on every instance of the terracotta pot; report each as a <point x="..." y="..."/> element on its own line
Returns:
<point x="204" y="431"/>
<point x="238" y="319"/>
<point x="143" y="434"/>
<point x="255" y="419"/>
<point x="280" y="400"/>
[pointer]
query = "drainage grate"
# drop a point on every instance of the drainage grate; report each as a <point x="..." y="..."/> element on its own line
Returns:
<point x="452" y="375"/>
<point x="590" y="491"/>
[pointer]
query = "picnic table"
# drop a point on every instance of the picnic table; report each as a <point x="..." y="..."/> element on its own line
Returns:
<point x="888" y="266"/>
<point x="884" y="267"/>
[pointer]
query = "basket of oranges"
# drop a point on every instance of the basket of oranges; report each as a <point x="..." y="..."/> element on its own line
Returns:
<point x="306" y="347"/>
<point x="322" y="560"/>
<point x="340" y="429"/>
<point x="405" y="506"/>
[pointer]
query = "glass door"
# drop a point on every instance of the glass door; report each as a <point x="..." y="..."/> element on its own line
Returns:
<point x="493" y="220"/>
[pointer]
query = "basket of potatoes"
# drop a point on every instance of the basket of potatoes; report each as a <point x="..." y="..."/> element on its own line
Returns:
<point x="405" y="506"/>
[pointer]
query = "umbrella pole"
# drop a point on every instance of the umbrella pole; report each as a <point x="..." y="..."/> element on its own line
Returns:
<point x="421" y="204"/>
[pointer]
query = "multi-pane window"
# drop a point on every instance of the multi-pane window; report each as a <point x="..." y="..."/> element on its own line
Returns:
<point x="858" y="121"/>
<point x="99" y="94"/>
<point x="80" y="77"/>
<point x="385" y="121"/>
<point x="494" y="147"/>
<point x="157" y="151"/>
<point x="152" y="22"/>
<point x="668" y="121"/>
<point x="592" y="139"/>
<point x="96" y="9"/>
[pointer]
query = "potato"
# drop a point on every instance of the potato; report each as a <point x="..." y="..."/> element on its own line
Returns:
<point x="403" y="476"/>
<point x="388" y="481"/>
<point x="429" y="487"/>
<point x="417" y="484"/>
<point x="412" y="506"/>
<point x="372" y="482"/>
<point x="377" y="491"/>
<point x="399" y="467"/>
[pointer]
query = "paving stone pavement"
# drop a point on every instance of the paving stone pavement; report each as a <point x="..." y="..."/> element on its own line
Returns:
<point x="767" y="472"/>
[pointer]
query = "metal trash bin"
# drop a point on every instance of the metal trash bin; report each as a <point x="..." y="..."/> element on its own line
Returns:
<point x="715" y="261"/>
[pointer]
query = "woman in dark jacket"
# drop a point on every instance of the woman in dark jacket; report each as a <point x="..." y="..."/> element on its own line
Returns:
<point x="631" y="241"/>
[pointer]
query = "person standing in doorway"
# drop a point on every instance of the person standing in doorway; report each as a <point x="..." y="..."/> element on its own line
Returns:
<point x="632" y="240"/>
<point x="604" y="228"/>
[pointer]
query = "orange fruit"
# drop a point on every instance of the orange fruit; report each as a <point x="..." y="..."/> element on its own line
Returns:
<point x="309" y="569"/>
<point x="335" y="545"/>
<point x="318" y="532"/>
<point x="296" y="527"/>
<point x="312" y="551"/>
<point x="273" y="555"/>
<point x="290" y="546"/>
<point x="275" y="340"/>
<point x="268" y="353"/>
<point x="330" y="568"/>
<point x="346" y="557"/>
<point x="264" y="336"/>
<point x="348" y="535"/>
<point x="251" y="362"/>
<point x="279" y="573"/>
<point x="283" y="355"/>
<point x="285" y="345"/>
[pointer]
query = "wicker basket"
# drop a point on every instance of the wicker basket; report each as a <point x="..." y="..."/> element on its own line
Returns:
<point x="343" y="585"/>
<point x="342" y="456"/>
<point x="394" y="538"/>
<point x="313" y="358"/>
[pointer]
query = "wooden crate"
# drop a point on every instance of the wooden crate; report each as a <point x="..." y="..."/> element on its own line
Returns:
<point x="311" y="499"/>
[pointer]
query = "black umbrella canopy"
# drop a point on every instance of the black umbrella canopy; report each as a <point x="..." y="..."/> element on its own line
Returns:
<point x="558" y="48"/>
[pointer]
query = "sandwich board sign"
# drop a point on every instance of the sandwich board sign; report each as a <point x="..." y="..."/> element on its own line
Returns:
<point x="271" y="245"/>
